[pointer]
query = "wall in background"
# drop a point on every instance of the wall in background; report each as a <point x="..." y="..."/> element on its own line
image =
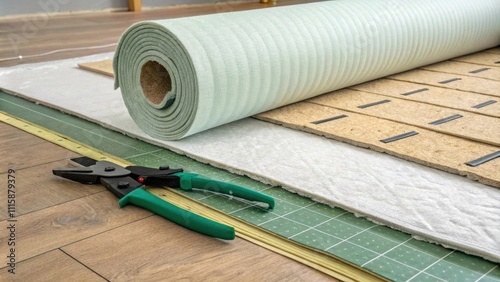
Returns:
<point x="19" y="7"/>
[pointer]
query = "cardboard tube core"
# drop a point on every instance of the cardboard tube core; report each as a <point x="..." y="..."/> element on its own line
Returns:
<point x="155" y="82"/>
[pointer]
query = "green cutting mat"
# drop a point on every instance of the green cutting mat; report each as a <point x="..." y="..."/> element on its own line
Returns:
<point x="389" y="253"/>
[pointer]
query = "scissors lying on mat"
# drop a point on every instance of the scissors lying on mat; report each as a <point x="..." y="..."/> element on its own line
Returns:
<point x="128" y="183"/>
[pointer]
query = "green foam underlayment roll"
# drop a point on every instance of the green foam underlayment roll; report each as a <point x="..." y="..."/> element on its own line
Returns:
<point x="182" y="76"/>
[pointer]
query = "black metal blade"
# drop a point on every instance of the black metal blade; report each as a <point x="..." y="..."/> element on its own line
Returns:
<point x="120" y="186"/>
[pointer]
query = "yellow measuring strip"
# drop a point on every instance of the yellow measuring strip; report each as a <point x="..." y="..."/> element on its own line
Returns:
<point x="316" y="259"/>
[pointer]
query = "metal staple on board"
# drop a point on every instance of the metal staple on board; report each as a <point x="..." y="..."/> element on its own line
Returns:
<point x="484" y="159"/>
<point x="329" y="119"/>
<point x="450" y="80"/>
<point x="479" y="70"/>
<point x="484" y="104"/>
<point x="415" y="91"/>
<point x="374" y="104"/>
<point x="399" y="137"/>
<point x="446" y="119"/>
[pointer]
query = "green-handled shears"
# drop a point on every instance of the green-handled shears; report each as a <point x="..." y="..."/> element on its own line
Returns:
<point x="128" y="185"/>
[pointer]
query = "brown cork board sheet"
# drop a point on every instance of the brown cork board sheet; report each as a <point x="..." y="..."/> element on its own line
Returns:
<point x="409" y="102"/>
<point x="495" y="50"/>
<point x="103" y="67"/>
<point x="471" y="126"/>
<point x="449" y="98"/>
<point x="434" y="149"/>
<point x="451" y="81"/>
<point x="466" y="69"/>
<point x="486" y="58"/>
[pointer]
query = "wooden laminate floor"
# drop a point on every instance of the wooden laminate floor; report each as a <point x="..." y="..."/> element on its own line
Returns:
<point x="31" y="35"/>
<point x="66" y="231"/>
<point x="72" y="232"/>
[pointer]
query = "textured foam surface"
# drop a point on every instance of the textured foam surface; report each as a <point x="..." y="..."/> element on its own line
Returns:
<point x="225" y="67"/>
<point x="434" y="205"/>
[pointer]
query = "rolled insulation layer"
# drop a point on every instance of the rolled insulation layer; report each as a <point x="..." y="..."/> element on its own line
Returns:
<point x="182" y="76"/>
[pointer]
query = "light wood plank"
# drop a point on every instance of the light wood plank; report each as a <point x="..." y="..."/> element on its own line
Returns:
<point x="154" y="249"/>
<point x="494" y="50"/>
<point x="103" y="67"/>
<point x="466" y="69"/>
<point x="438" y="96"/>
<point x="33" y="159"/>
<point x="51" y="228"/>
<point x="127" y="239"/>
<point x="36" y="189"/>
<point x="471" y="126"/>
<point x="464" y="83"/>
<point x="135" y="5"/>
<point x="489" y="58"/>
<point x="52" y="266"/>
<point x="429" y="148"/>
<point x="79" y="30"/>
<point x="20" y="150"/>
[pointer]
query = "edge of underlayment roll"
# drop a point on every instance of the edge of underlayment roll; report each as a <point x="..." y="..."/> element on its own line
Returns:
<point x="157" y="80"/>
<point x="182" y="76"/>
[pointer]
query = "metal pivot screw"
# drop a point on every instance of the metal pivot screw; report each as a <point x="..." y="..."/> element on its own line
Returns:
<point x="122" y="184"/>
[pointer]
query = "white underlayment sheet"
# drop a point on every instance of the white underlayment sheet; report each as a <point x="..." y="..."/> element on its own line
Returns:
<point x="432" y="204"/>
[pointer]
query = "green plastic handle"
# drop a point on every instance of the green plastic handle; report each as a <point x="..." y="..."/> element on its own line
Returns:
<point x="141" y="198"/>
<point x="191" y="180"/>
